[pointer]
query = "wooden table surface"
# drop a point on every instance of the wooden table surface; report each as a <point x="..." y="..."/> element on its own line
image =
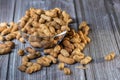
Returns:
<point x="104" y="19"/>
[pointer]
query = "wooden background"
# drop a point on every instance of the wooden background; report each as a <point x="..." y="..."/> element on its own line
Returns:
<point x="104" y="19"/>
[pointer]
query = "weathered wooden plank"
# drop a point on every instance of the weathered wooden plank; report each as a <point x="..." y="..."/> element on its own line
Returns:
<point x="6" y="15"/>
<point x="103" y="41"/>
<point x="52" y="72"/>
<point x="114" y="11"/>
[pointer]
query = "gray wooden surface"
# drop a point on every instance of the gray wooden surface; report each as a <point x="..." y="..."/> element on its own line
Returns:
<point x="104" y="19"/>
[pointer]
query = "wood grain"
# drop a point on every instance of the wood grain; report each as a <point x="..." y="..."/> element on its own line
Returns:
<point x="113" y="11"/>
<point x="103" y="41"/>
<point x="6" y="15"/>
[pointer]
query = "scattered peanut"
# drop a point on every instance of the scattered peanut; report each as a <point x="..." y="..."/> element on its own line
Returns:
<point x="6" y="47"/>
<point x="29" y="64"/>
<point x="110" y="56"/>
<point x="64" y="59"/>
<point x="54" y="60"/>
<point x="25" y="59"/>
<point x="44" y="61"/>
<point x="33" y="56"/>
<point x="67" y="71"/>
<point x="61" y="66"/>
<point x="86" y="60"/>
<point x="33" y="68"/>
<point x="22" y="68"/>
<point x="78" y="58"/>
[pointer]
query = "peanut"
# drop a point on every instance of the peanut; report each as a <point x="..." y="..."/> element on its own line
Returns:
<point x="30" y="50"/>
<point x="25" y="59"/>
<point x="46" y="17"/>
<point x="54" y="54"/>
<point x="51" y="13"/>
<point x="31" y="56"/>
<point x="36" y="44"/>
<point x="57" y="49"/>
<point x="87" y="39"/>
<point x="86" y="60"/>
<point x="10" y="44"/>
<point x="44" y="61"/>
<point x="82" y="37"/>
<point x="42" y="20"/>
<point x="110" y="56"/>
<point x="47" y="51"/>
<point x="6" y="47"/>
<point x="10" y="37"/>
<point x="83" y="24"/>
<point x="66" y="16"/>
<point x="54" y="60"/>
<point x="67" y="71"/>
<point x="35" y="67"/>
<point x="5" y="50"/>
<point x="86" y="30"/>
<point x="61" y="66"/>
<point x="66" y="60"/>
<point x="22" y="68"/>
<point x="2" y="38"/>
<point x="5" y="31"/>
<point x="3" y="26"/>
<point x="64" y="53"/>
<point x="76" y="51"/>
<point x="69" y="50"/>
<point x="67" y="43"/>
<point x="78" y="58"/>
<point x="22" y="40"/>
<point x="20" y="52"/>
<point x="59" y="21"/>
<point x="29" y="64"/>
<point x="18" y="36"/>
<point x="14" y="28"/>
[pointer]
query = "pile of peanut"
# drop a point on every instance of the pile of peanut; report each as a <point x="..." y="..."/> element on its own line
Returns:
<point x="6" y="47"/>
<point x="37" y="22"/>
<point x="30" y="67"/>
<point x="47" y="23"/>
<point x="69" y="51"/>
<point x="9" y="32"/>
<point x="44" y="23"/>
